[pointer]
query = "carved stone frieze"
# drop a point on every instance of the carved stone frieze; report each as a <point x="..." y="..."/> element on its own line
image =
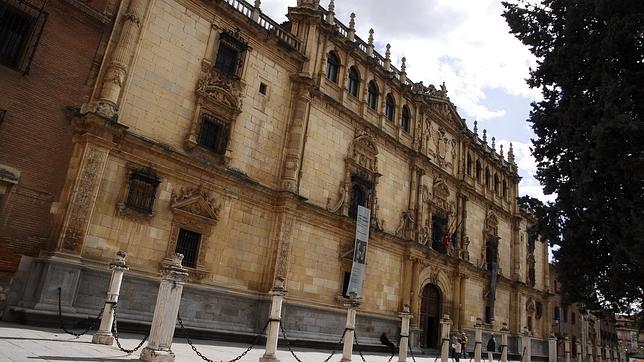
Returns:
<point x="196" y="202"/>
<point x="220" y="90"/>
<point x="407" y="226"/>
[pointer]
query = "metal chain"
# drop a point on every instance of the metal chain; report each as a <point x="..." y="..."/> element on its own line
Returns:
<point x="338" y="345"/>
<point x="523" y="353"/>
<point x="91" y="326"/>
<point x="115" y="333"/>
<point x="187" y="337"/>
<point x="440" y="350"/>
<point x="355" y="338"/>
<point x="411" y="351"/>
<point x="288" y="344"/>
<point x="474" y="351"/>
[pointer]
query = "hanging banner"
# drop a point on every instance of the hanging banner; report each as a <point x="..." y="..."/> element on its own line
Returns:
<point x="360" y="251"/>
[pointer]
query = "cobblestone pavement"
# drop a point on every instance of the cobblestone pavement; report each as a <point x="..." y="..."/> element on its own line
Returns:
<point x="28" y="343"/>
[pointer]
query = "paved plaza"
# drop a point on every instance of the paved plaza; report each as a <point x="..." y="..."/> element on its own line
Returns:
<point x="27" y="343"/>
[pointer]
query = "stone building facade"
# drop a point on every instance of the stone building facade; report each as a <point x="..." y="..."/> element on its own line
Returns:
<point x="50" y="52"/>
<point x="247" y="145"/>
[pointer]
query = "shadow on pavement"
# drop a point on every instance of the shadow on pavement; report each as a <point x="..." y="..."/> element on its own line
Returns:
<point x="45" y="339"/>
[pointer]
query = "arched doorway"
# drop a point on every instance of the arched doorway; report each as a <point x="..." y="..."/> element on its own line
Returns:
<point x="430" y="316"/>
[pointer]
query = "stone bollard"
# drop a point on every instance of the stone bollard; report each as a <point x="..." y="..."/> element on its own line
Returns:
<point x="405" y="316"/>
<point x="552" y="348"/>
<point x="566" y="349"/>
<point x="277" y="295"/>
<point x="580" y="355"/>
<point x="504" y="342"/>
<point x="165" y="313"/>
<point x="526" y="345"/>
<point x="352" y="305"/>
<point x="589" y="351"/>
<point x="104" y="333"/>
<point x="446" y="323"/>
<point x="599" y="354"/>
<point x="478" y="339"/>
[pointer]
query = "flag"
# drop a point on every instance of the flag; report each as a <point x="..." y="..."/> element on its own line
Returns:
<point x="448" y="234"/>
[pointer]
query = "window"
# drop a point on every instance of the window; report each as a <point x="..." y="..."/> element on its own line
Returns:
<point x="213" y="134"/>
<point x="573" y="318"/>
<point x="230" y="54"/>
<point x="405" y="120"/>
<point x="487" y="177"/>
<point x="491" y="252"/>
<point x="21" y="25"/>
<point x="332" y="67"/>
<point x="372" y="97"/>
<point x="390" y="108"/>
<point x="360" y="194"/>
<point x="478" y="170"/>
<point x="496" y="184"/>
<point x="557" y="313"/>
<point x="142" y="190"/>
<point x="263" y="88"/>
<point x="439" y="230"/>
<point x="469" y="164"/>
<point x="345" y="284"/>
<point x="505" y="189"/>
<point x="565" y="314"/>
<point x="188" y="245"/>
<point x="354" y="82"/>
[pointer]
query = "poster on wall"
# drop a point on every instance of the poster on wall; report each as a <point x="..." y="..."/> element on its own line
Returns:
<point x="360" y="251"/>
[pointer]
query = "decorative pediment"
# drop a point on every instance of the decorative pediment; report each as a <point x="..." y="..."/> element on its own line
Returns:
<point x="492" y="224"/>
<point x="195" y="202"/>
<point x="363" y="151"/>
<point x="220" y="90"/>
<point x="440" y="195"/>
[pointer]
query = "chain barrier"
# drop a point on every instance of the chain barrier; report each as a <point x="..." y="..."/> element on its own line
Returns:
<point x="474" y="350"/>
<point x="355" y="338"/>
<point x="440" y="349"/>
<point x="523" y="353"/>
<point x="288" y="343"/>
<point x="115" y="334"/>
<point x="337" y="346"/>
<point x="91" y="325"/>
<point x="187" y="337"/>
<point x="411" y="351"/>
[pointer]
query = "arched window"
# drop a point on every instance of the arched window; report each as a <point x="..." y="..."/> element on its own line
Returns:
<point x="505" y="189"/>
<point x="405" y="120"/>
<point x="478" y="170"/>
<point x="469" y="164"/>
<point x="390" y="108"/>
<point x="354" y="81"/>
<point x="372" y="98"/>
<point x="332" y="67"/>
<point x="496" y="183"/>
<point x="487" y="177"/>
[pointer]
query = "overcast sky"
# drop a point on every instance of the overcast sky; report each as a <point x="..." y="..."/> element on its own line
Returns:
<point x="464" y="43"/>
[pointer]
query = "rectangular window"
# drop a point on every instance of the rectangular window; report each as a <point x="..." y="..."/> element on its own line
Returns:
<point x="188" y="245"/>
<point x="227" y="58"/>
<point x="21" y="25"/>
<point x="213" y="134"/>
<point x="142" y="190"/>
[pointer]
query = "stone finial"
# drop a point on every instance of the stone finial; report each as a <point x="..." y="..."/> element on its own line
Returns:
<point x="330" y="16"/>
<point x="511" y="154"/>
<point x="476" y="128"/>
<point x="406" y="309"/>
<point x="502" y="156"/>
<point x="494" y="143"/>
<point x="177" y="260"/>
<point x="119" y="261"/>
<point x="370" y="43"/>
<point x="485" y="135"/>
<point x="388" y="58"/>
<point x="255" y="13"/>
<point x="352" y="27"/>
<point x="312" y="4"/>
<point x="257" y="3"/>
<point x="403" y="71"/>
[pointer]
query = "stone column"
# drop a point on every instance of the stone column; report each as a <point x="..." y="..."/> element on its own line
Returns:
<point x="589" y="351"/>
<point x="405" y="316"/>
<point x="580" y="355"/>
<point x="104" y="333"/>
<point x="165" y="313"/>
<point x="526" y="346"/>
<point x="277" y="295"/>
<point x="478" y="339"/>
<point x="296" y="134"/>
<point x="552" y="348"/>
<point x="446" y="323"/>
<point x="352" y="306"/>
<point x="504" y="342"/>
<point x="599" y="354"/>
<point x="566" y="349"/>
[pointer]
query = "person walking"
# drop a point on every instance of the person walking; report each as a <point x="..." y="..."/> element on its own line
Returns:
<point x="458" y="346"/>
<point x="491" y="347"/>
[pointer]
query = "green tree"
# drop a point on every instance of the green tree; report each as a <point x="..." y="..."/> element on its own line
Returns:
<point x="590" y="141"/>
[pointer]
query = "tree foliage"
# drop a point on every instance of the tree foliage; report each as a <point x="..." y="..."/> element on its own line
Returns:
<point x="590" y="141"/>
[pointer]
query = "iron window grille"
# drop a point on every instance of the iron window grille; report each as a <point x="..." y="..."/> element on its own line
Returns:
<point x="213" y="134"/>
<point x="188" y="245"/>
<point x="142" y="190"/>
<point x="21" y="26"/>
<point x="230" y="54"/>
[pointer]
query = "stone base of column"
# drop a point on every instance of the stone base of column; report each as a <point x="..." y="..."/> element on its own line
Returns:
<point x="345" y="360"/>
<point x="151" y="355"/>
<point x="266" y="358"/>
<point x="103" y="338"/>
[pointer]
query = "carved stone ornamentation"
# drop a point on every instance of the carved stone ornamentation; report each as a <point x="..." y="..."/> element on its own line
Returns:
<point x="407" y="225"/>
<point x="221" y="91"/>
<point x="85" y="193"/>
